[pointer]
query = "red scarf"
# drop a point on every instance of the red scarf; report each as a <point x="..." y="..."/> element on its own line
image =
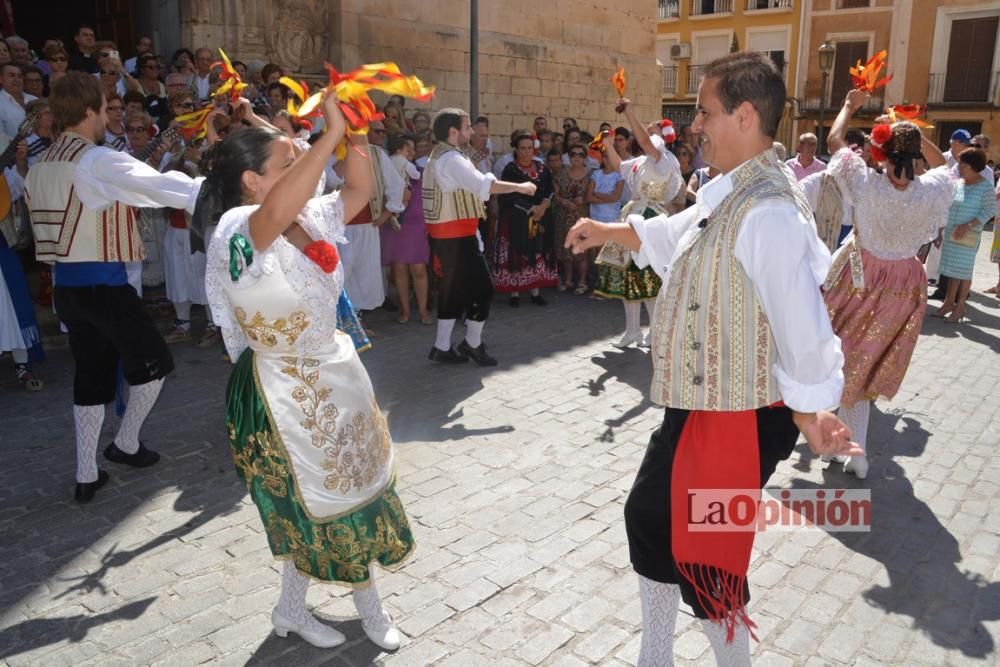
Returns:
<point x="716" y="450"/>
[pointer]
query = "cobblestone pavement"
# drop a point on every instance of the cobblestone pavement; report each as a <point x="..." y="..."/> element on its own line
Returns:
<point x="514" y="479"/>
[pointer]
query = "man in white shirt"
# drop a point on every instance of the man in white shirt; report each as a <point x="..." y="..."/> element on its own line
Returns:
<point x="831" y="206"/>
<point x="719" y="262"/>
<point x="453" y="195"/>
<point x="89" y="249"/>
<point x="13" y="99"/>
<point x="203" y="73"/>
<point x="805" y="163"/>
<point x="960" y="140"/>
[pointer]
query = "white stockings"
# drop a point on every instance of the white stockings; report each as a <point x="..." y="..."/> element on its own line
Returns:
<point x="141" y="398"/>
<point x="87" y="420"/>
<point x="292" y="603"/>
<point x="728" y="654"/>
<point x="659" y="616"/>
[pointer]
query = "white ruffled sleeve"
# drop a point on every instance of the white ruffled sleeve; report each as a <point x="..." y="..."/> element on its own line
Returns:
<point x="219" y="279"/>
<point x="323" y="218"/>
<point x="850" y="171"/>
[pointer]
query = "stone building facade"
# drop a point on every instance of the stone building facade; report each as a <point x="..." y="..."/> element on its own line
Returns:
<point x="553" y="59"/>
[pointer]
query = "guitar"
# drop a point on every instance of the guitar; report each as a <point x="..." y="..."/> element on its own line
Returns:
<point x="167" y="136"/>
<point x="9" y="157"/>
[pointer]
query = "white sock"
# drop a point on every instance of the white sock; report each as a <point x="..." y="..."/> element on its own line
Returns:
<point x="534" y="292"/>
<point x="515" y="294"/>
<point x="856" y="418"/>
<point x="141" y="398"/>
<point x="87" y="420"/>
<point x="20" y="356"/>
<point x="369" y="606"/>
<point x="632" y="317"/>
<point x="183" y="310"/>
<point x="728" y="654"/>
<point x="650" y="307"/>
<point x="292" y="602"/>
<point x="474" y="333"/>
<point x="443" y="341"/>
<point x="659" y="617"/>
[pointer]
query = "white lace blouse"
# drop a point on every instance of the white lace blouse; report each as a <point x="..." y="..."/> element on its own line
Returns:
<point x="323" y="219"/>
<point x="892" y="223"/>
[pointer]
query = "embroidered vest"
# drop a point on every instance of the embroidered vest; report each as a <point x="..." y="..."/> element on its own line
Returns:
<point x="713" y="348"/>
<point x="829" y="211"/>
<point x="378" y="196"/>
<point x="440" y="206"/>
<point x="67" y="231"/>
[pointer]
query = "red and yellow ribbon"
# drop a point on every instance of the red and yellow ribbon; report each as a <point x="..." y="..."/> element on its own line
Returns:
<point x="618" y="80"/>
<point x="232" y="84"/>
<point x="193" y="125"/>
<point x="865" y="77"/>
<point x="596" y="147"/>
<point x="910" y="113"/>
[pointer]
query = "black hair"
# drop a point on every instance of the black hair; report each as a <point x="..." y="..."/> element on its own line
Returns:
<point x="751" y="77"/>
<point x="224" y="164"/>
<point x="854" y="137"/>
<point x="621" y="131"/>
<point x="445" y="119"/>
<point x="517" y="136"/>
<point x="177" y="54"/>
<point x="974" y="157"/>
<point x="554" y="152"/>
<point x="482" y="119"/>
<point x="397" y="141"/>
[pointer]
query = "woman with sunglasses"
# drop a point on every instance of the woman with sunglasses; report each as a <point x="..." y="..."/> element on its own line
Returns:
<point x="653" y="179"/>
<point x="149" y="77"/>
<point x="58" y="63"/>
<point x="114" y="130"/>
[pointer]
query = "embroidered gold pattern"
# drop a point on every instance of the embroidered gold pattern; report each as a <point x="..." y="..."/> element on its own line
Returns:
<point x="260" y="330"/>
<point x="259" y="458"/>
<point x="351" y="459"/>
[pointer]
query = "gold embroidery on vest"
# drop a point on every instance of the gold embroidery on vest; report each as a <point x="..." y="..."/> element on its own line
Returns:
<point x="266" y="333"/>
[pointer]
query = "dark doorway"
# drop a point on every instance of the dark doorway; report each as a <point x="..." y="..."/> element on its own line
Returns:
<point x="111" y="19"/>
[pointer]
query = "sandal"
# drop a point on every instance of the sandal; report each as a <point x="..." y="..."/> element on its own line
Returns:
<point x="564" y="286"/>
<point x="27" y="380"/>
<point x="179" y="332"/>
<point x="210" y="337"/>
<point x="426" y="319"/>
<point x="580" y="289"/>
<point x="992" y="290"/>
<point x="403" y="320"/>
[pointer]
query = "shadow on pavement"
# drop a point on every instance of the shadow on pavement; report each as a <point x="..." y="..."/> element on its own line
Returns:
<point x="292" y="650"/>
<point x="630" y="366"/>
<point x="921" y="557"/>
<point x="37" y="633"/>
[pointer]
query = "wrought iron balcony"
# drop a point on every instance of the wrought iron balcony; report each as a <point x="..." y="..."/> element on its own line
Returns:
<point x="694" y="75"/>
<point x="810" y="99"/>
<point x="964" y="90"/>
<point x="669" y="9"/>
<point x="753" y="5"/>
<point x="669" y="80"/>
<point x="704" y="7"/>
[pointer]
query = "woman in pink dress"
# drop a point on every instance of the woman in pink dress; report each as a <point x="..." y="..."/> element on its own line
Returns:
<point x="876" y="292"/>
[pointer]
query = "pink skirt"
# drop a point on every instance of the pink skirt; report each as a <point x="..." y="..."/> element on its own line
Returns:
<point x="878" y="325"/>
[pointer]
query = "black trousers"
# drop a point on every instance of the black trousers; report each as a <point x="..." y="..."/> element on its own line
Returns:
<point x="647" y="510"/>
<point x="107" y="324"/>
<point x="465" y="287"/>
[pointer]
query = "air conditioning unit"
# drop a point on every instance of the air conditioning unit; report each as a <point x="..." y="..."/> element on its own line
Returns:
<point x="680" y="51"/>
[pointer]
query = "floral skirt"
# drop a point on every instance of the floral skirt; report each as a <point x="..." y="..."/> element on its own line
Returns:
<point x="878" y="325"/>
<point x="335" y="550"/>
<point x="630" y="284"/>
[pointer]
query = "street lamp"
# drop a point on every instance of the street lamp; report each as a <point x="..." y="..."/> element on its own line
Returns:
<point x="827" y="52"/>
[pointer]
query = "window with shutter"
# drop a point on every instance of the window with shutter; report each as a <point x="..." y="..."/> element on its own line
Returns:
<point x="848" y="55"/>
<point x="970" y="59"/>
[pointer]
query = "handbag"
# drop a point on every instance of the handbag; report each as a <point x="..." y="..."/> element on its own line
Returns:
<point x="614" y="255"/>
<point x="970" y="240"/>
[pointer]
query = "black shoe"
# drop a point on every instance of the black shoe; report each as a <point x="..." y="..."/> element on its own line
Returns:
<point x="514" y="302"/>
<point x="449" y="357"/>
<point x="477" y="354"/>
<point x="388" y="306"/>
<point x="143" y="458"/>
<point x="85" y="491"/>
<point x="538" y="300"/>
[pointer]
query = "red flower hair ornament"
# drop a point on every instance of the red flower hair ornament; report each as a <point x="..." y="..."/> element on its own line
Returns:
<point x="881" y="135"/>
<point x="667" y="131"/>
<point x="323" y="254"/>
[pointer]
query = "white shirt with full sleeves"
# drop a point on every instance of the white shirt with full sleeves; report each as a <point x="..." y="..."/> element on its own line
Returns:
<point x="104" y="176"/>
<point x="394" y="183"/>
<point x="455" y="171"/>
<point x="786" y="262"/>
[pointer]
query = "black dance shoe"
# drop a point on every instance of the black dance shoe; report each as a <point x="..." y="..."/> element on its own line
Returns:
<point x="514" y="301"/>
<point x="143" y="458"/>
<point x="85" y="491"/>
<point x="449" y="357"/>
<point x="477" y="354"/>
<point x="538" y="300"/>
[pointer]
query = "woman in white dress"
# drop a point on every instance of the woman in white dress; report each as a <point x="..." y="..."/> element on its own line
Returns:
<point x="306" y="432"/>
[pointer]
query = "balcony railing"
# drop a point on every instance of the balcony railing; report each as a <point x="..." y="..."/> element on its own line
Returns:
<point x="753" y="5"/>
<point x="669" y="9"/>
<point x="694" y="78"/>
<point x="703" y="7"/>
<point x="977" y="91"/>
<point x="809" y="102"/>
<point x="669" y="80"/>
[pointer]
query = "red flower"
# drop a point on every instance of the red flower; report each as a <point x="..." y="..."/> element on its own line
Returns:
<point x="881" y="134"/>
<point x="324" y="254"/>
